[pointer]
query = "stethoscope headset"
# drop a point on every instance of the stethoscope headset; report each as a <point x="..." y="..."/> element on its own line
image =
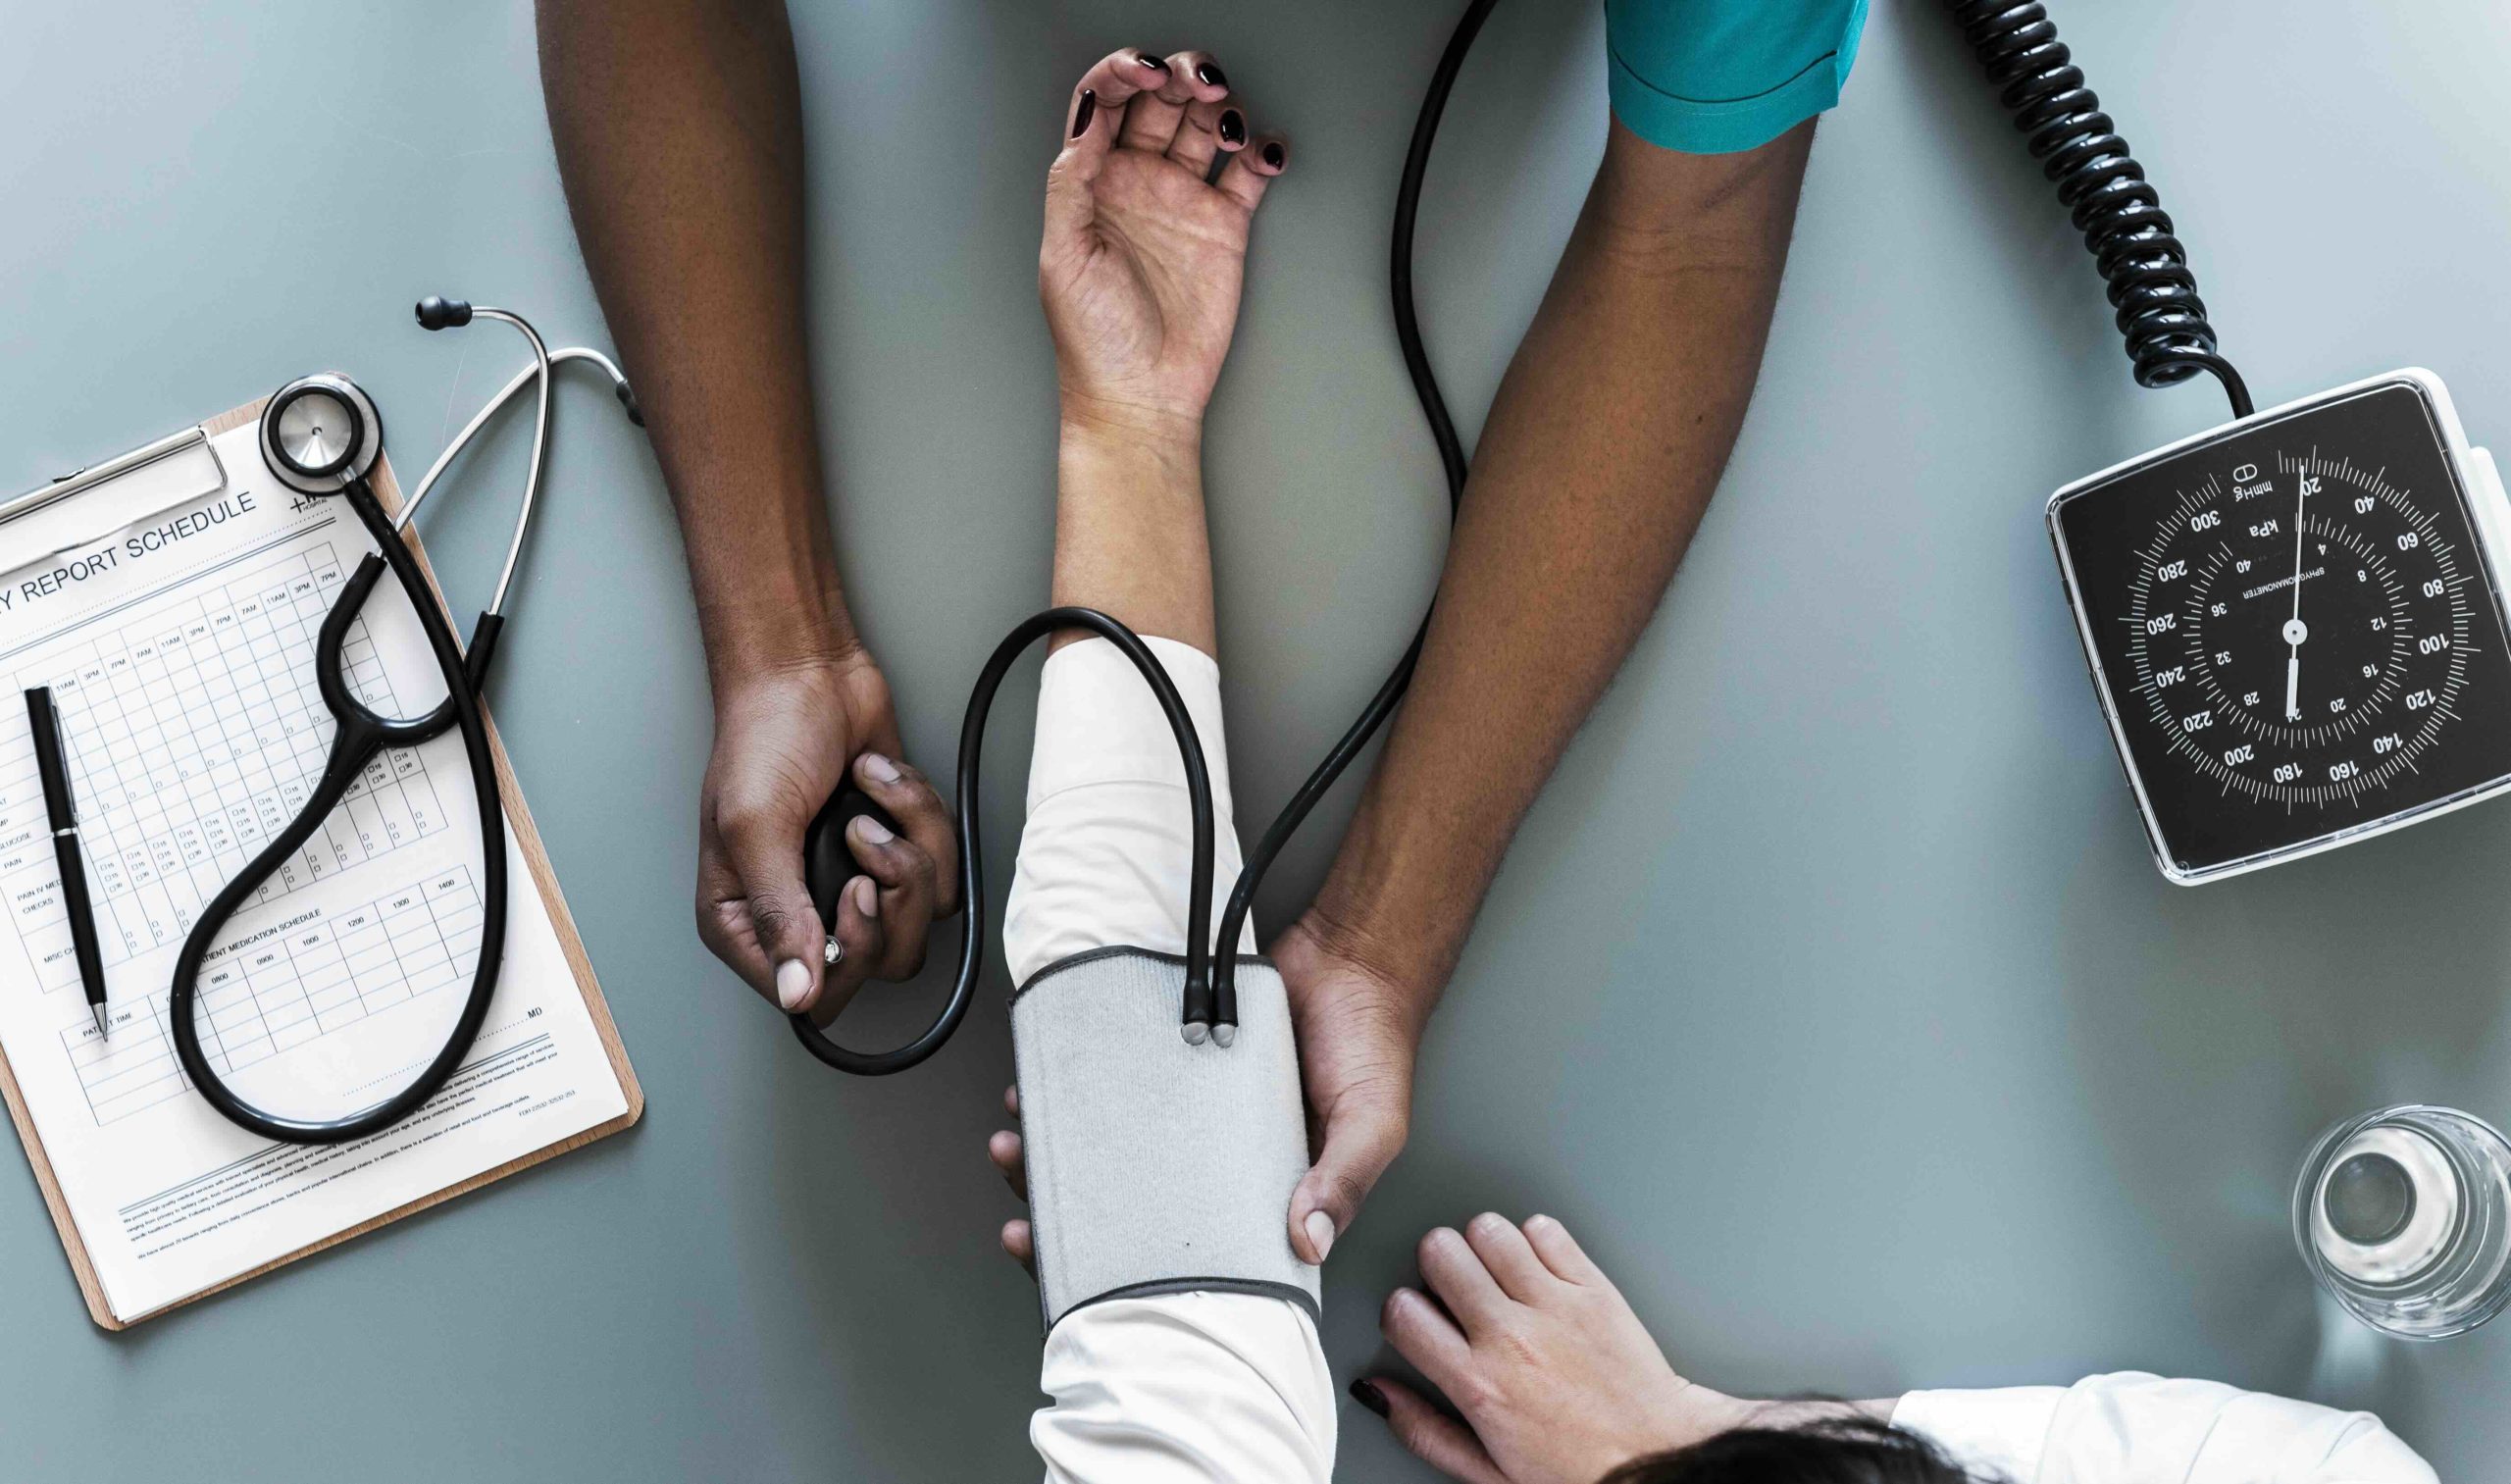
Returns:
<point x="321" y="436"/>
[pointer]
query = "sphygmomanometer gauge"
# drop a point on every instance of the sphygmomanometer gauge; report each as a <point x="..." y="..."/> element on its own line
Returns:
<point x="2295" y="623"/>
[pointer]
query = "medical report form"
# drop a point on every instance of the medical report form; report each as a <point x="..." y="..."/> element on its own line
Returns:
<point x="181" y="655"/>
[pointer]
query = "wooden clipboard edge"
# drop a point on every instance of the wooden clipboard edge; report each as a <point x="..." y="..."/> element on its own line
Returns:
<point x="570" y="944"/>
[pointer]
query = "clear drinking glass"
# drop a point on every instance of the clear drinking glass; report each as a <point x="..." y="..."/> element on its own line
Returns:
<point x="2405" y="1216"/>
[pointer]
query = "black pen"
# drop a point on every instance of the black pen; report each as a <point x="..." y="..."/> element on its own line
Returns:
<point x="65" y="848"/>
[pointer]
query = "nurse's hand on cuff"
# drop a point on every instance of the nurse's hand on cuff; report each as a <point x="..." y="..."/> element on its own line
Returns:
<point x="1357" y="1040"/>
<point x="784" y="739"/>
<point x="1357" y="1034"/>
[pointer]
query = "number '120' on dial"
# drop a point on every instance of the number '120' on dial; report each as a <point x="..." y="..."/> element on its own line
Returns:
<point x="2294" y="626"/>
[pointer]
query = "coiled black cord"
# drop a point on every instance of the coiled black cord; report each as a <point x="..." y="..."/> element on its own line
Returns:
<point x="2113" y="204"/>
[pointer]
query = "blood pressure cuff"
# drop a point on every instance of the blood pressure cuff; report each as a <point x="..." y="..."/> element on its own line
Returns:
<point x="1156" y="1166"/>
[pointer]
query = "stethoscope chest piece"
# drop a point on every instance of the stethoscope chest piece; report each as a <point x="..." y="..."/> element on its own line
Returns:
<point x="321" y="433"/>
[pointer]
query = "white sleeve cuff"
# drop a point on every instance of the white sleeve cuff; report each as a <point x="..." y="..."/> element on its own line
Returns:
<point x="2000" y="1432"/>
<point x="2132" y="1427"/>
<point x="1108" y="846"/>
<point x="1098" y="722"/>
<point x="1193" y="1388"/>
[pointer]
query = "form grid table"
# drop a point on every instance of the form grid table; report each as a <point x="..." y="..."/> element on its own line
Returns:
<point x="284" y="992"/>
<point x="194" y="736"/>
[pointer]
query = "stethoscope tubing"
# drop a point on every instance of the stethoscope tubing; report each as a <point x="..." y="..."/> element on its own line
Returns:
<point x="496" y="404"/>
<point x="359" y="734"/>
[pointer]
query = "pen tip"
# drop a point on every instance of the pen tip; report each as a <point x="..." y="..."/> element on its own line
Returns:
<point x="100" y="1021"/>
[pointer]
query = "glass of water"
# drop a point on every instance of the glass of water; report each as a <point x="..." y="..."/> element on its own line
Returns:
<point x="2405" y="1216"/>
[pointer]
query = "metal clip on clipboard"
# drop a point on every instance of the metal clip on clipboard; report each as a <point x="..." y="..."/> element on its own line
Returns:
<point x="51" y="519"/>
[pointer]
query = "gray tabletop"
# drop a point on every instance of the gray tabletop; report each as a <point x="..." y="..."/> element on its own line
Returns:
<point x="1828" y="993"/>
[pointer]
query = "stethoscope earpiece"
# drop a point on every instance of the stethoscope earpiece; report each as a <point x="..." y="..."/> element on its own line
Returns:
<point x="439" y="313"/>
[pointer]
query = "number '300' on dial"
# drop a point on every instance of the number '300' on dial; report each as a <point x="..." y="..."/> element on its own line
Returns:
<point x="2303" y="627"/>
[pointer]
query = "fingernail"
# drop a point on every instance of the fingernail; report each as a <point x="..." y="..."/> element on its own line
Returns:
<point x="1081" y="114"/>
<point x="793" y="983"/>
<point x="1320" y="1233"/>
<point x="1210" y="76"/>
<point x="1368" y="1394"/>
<point x="1233" y="126"/>
<point x="880" y="767"/>
<point x="873" y="830"/>
<point x="1275" y="156"/>
<point x="867" y="896"/>
<point x="1157" y="64"/>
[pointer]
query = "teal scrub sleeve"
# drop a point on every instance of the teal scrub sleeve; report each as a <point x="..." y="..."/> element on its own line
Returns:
<point x="1714" y="77"/>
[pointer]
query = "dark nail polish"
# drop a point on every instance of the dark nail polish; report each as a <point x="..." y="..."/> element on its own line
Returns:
<point x="1081" y="114"/>
<point x="1210" y="76"/>
<point x="1275" y="157"/>
<point x="1369" y="1395"/>
<point x="1160" y="64"/>
<point x="1233" y="126"/>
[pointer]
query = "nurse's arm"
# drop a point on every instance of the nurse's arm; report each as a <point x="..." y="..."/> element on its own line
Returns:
<point x="679" y="134"/>
<point x="1603" y="446"/>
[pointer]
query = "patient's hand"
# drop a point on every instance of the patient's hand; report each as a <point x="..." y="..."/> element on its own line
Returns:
<point x="1145" y="242"/>
<point x="1010" y="1158"/>
<point x="1558" y="1380"/>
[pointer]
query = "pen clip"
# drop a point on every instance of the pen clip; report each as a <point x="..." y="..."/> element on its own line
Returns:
<point x="68" y="779"/>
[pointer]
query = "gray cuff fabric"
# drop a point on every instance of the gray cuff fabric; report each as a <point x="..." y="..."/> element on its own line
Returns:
<point x="1156" y="1166"/>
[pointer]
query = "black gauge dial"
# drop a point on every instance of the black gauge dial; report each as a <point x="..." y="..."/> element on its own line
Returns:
<point x="2295" y="629"/>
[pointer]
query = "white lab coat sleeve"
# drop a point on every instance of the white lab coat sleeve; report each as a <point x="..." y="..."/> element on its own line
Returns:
<point x="1105" y="858"/>
<point x="2134" y="1428"/>
<point x="1186" y="1389"/>
<point x="1180" y="1386"/>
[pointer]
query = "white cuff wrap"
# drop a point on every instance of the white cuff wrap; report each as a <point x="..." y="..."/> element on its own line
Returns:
<point x="1156" y="1166"/>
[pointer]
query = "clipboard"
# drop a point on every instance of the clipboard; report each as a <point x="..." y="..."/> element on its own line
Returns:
<point x="157" y="476"/>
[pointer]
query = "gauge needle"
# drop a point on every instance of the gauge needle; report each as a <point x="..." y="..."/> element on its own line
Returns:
<point x="2294" y="630"/>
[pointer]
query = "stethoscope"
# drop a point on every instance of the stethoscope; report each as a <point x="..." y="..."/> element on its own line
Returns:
<point x="321" y="436"/>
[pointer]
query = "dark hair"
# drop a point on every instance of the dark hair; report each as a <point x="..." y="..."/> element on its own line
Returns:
<point x="1837" y="1451"/>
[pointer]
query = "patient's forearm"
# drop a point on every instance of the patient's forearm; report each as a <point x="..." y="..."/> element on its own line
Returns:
<point x="1601" y="452"/>
<point x="1130" y="536"/>
<point x="679" y="133"/>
